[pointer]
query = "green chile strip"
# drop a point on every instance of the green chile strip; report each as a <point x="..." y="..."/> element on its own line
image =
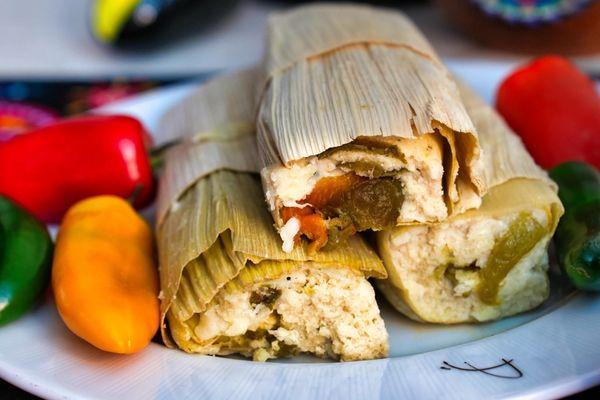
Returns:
<point x="522" y="236"/>
<point x="371" y="204"/>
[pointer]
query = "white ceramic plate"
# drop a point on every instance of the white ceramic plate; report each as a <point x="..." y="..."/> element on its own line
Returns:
<point x="547" y="353"/>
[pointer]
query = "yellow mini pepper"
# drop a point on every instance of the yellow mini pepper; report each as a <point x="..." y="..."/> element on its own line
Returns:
<point x="104" y="276"/>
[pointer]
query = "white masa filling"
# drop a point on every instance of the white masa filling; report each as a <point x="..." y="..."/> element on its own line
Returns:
<point x="417" y="259"/>
<point x="327" y="312"/>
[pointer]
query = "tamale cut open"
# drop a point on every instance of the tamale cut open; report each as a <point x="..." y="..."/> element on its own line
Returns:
<point x="226" y="285"/>
<point x="360" y="126"/>
<point x="486" y="263"/>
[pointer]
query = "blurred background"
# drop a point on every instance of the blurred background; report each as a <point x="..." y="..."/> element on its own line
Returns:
<point x="63" y="57"/>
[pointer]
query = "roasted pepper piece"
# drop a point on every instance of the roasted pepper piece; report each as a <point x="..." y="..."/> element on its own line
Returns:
<point x="104" y="277"/>
<point x="52" y="168"/>
<point x="25" y="259"/>
<point x="578" y="234"/>
<point x="351" y="203"/>
<point x="555" y="108"/>
<point x="312" y="225"/>
<point x="522" y="236"/>
<point x="330" y="190"/>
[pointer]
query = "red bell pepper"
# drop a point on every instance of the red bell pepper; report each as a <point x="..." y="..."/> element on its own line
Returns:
<point x="555" y="109"/>
<point x="52" y="168"/>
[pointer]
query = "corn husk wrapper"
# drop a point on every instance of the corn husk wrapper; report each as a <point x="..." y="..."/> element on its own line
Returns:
<point x="192" y="160"/>
<point x="514" y="180"/>
<point x="516" y="184"/>
<point x="216" y="110"/>
<point x="215" y="232"/>
<point x="504" y="155"/>
<point x="337" y="72"/>
<point x="216" y="125"/>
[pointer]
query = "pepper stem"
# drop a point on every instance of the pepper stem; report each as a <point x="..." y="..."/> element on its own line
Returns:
<point x="135" y="194"/>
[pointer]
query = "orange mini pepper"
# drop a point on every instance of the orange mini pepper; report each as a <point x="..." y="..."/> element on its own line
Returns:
<point x="104" y="276"/>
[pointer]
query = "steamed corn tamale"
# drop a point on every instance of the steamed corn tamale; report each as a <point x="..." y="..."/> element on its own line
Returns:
<point x="486" y="263"/>
<point x="227" y="287"/>
<point x="360" y="126"/>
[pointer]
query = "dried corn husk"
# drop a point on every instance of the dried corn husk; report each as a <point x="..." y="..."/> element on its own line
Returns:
<point x="504" y="156"/>
<point x="213" y="225"/>
<point x="186" y="163"/>
<point x="215" y="110"/>
<point x="514" y="180"/>
<point x="337" y="72"/>
<point x="216" y="126"/>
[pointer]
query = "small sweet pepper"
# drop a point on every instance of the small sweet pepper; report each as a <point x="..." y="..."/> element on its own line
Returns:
<point x="50" y="169"/>
<point x="555" y="108"/>
<point x="578" y="234"/>
<point x="25" y="259"/>
<point x="104" y="277"/>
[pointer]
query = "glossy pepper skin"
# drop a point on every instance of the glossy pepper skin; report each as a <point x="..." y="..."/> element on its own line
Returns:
<point x="555" y="109"/>
<point x="578" y="235"/>
<point x="25" y="260"/>
<point x="50" y="169"/>
<point x="104" y="277"/>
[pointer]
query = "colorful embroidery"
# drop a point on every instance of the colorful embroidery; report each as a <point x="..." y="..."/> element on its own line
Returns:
<point x="531" y="12"/>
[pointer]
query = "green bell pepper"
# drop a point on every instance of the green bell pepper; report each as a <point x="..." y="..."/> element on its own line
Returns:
<point x="578" y="235"/>
<point x="25" y="260"/>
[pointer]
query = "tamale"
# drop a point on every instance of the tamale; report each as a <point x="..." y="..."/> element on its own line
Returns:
<point x="206" y="114"/>
<point x="483" y="264"/>
<point x="360" y="126"/>
<point x="226" y="285"/>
